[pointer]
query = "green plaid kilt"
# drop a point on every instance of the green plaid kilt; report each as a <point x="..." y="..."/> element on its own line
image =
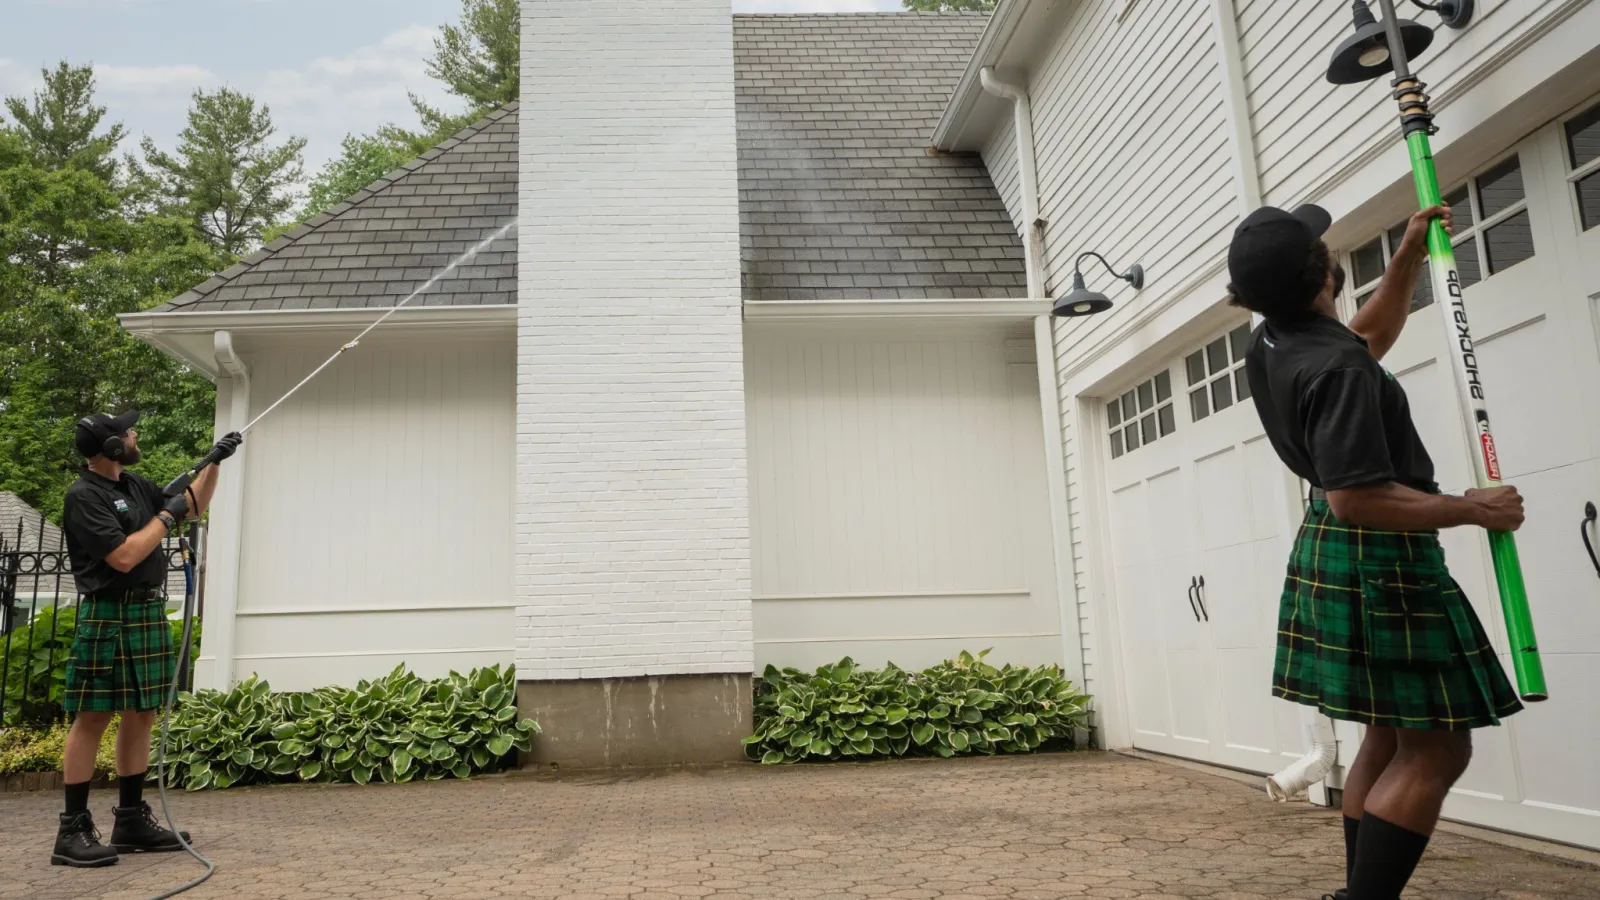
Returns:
<point x="122" y="653"/>
<point x="1373" y="629"/>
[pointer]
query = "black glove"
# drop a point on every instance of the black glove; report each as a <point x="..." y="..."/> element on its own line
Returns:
<point x="228" y="445"/>
<point x="178" y="505"/>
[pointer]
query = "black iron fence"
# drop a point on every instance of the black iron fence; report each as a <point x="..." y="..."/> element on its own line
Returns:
<point x="38" y="615"/>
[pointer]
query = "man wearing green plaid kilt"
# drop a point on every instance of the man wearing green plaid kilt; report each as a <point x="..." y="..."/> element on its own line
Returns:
<point x="1372" y="628"/>
<point x="122" y="656"/>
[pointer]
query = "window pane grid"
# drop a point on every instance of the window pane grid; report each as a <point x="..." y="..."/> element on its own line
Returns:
<point x="1141" y="416"/>
<point x="1224" y="383"/>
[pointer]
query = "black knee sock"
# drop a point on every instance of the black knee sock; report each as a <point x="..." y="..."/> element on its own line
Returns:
<point x="1386" y="855"/>
<point x="1351" y="829"/>
<point x="131" y="789"/>
<point x="78" y="797"/>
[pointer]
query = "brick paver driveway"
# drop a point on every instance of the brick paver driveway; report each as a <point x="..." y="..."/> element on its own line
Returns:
<point x="1079" y="825"/>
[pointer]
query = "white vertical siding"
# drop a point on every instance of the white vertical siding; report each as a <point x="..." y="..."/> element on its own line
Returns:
<point x="632" y="514"/>
<point x="378" y="526"/>
<point x="898" y="500"/>
<point x="1307" y="130"/>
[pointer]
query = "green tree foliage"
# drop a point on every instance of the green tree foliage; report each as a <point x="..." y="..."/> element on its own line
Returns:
<point x="227" y="177"/>
<point x="75" y="253"/>
<point x="58" y="128"/>
<point x="479" y="60"/>
<point x="949" y="5"/>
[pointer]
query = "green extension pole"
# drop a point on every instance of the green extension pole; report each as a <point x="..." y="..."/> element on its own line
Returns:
<point x="1417" y="124"/>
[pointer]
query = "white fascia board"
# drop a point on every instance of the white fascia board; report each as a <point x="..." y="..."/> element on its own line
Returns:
<point x="857" y="310"/>
<point x="951" y="133"/>
<point x="284" y="320"/>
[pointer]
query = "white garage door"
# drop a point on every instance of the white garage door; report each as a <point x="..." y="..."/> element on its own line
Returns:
<point x="1200" y="534"/>
<point x="898" y="502"/>
<point x="1528" y="247"/>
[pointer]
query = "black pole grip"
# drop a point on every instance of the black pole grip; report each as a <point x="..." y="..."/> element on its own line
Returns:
<point x="177" y="485"/>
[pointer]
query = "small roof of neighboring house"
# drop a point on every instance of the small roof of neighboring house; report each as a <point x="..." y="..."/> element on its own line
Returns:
<point x="840" y="196"/>
<point x="384" y="242"/>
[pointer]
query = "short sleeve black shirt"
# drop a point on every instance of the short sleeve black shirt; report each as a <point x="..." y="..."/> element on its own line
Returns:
<point x="1336" y="417"/>
<point x="98" y="515"/>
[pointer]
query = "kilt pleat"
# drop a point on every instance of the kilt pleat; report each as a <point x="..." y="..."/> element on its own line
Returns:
<point x="122" y="654"/>
<point x="1373" y="629"/>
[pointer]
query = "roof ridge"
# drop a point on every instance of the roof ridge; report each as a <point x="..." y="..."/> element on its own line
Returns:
<point x="293" y="235"/>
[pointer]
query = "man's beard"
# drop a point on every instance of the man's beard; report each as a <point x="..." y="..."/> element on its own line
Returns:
<point x="131" y="457"/>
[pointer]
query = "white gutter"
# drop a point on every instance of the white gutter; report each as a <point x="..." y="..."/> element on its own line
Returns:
<point x="227" y="525"/>
<point x="1028" y="172"/>
<point x="963" y="101"/>
<point x="151" y="325"/>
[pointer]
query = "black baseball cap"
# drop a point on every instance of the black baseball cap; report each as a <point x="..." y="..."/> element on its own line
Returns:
<point x="94" y="430"/>
<point x="1271" y="248"/>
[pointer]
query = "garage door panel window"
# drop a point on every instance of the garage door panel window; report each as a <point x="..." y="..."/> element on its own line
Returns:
<point x="1583" y="156"/>
<point x="1141" y="416"/>
<point x="1216" y="374"/>
<point x="1492" y="233"/>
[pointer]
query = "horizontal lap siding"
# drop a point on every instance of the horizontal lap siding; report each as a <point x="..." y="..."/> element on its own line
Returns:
<point x="1134" y="163"/>
<point x="1307" y="130"/>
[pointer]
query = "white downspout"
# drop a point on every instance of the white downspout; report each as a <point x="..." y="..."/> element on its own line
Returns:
<point x="227" y="526"/>
<point x="1028" y="174"/>
<point x="1295" y="782"/>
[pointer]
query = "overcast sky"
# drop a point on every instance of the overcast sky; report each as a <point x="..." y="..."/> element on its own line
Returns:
<point x="325" y="67"/>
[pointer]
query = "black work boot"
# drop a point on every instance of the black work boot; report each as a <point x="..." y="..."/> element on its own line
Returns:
<point x="137" y="831"/>
<point x="78" y="844"/>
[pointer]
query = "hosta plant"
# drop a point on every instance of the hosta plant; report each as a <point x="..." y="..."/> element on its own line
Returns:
<point x="393" y="729"/>
<point x="960" y="706"/>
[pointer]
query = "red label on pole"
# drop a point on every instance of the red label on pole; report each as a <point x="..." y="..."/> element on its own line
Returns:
<point x="1491" y="459"/>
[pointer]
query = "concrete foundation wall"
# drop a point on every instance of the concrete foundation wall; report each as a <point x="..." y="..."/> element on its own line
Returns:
<point x="604" y="723"/>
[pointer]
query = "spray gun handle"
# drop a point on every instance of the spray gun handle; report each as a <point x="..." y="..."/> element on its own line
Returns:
<point x="177" y="485"/>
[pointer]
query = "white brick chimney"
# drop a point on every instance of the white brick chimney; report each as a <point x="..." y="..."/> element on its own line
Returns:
<point x="632" y="521"/>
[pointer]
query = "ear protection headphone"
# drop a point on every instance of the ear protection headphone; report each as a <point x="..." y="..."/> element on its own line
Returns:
<point x="112" y="448"/>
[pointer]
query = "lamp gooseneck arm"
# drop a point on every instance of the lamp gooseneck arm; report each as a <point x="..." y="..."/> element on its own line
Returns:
<point x="1077" y="266"/>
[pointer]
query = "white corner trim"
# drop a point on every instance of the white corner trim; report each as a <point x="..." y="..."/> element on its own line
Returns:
<point x="150" y="325"/>
<point x="969" y="90"/>
<point x="835" y="310"/>
<point x="1235" y="104"/>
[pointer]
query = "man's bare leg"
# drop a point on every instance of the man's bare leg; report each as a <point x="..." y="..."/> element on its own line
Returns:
<point x="1402" y="808"/>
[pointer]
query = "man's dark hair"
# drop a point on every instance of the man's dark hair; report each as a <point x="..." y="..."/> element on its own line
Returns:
<point x="1294" y="299"/>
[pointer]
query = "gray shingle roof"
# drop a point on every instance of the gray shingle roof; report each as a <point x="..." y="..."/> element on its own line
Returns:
<point x="387" y="240"/>
<point x="839" y="197"/>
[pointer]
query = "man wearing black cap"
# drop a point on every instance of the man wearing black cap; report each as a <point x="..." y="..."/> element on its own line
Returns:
<point x="1372" y="628"/>
<point x="122" y="656"/>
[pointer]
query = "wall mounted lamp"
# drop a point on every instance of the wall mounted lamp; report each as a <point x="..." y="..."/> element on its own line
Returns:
<point x="1081" y="301"/>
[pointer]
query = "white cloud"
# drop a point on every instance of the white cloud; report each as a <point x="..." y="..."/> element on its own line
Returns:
<point x="152" y="81"/>
<point x="327" y="98"/>
<point x="17" y="79"/>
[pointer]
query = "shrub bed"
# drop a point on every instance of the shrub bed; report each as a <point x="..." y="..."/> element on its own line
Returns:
<point x="395" y="729"/>
<point x="25" y="750"/>
<point x="959" y="707"/>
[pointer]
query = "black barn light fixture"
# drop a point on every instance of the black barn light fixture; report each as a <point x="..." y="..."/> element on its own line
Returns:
<point x="1081" y="301"/>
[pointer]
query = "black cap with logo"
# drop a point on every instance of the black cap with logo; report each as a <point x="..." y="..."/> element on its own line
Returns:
<point x="1271" y="248"/>
<point x="95" y="432"/>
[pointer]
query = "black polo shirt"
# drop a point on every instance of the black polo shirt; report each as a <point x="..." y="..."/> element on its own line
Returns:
<point x="98" y="516"/>
<point x="1336" y="417"/>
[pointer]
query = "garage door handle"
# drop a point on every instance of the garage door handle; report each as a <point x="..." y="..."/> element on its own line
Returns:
<point x="1589" y="517"/>
<point x="1194" y="588"/>
<point x="1200" y="594"/>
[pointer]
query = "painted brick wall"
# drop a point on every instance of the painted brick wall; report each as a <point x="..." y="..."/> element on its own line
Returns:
<point x="632" y="514"/>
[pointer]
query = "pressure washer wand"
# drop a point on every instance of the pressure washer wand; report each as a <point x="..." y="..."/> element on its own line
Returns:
<point x="1416" y="122"/>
